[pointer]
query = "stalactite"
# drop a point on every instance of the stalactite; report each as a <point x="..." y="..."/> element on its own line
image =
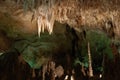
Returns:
<point x="59" y="13"/>
<point x="18" y="1"/>
<point x="65" y="14"/>
<point x="52" y="22"/>
<point x="39" y="25"/>
<point x="43" y="24"/>
<point x="1" y="54"/>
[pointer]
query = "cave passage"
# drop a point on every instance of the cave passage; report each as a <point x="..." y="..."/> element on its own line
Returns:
<point x="61" y="56"/>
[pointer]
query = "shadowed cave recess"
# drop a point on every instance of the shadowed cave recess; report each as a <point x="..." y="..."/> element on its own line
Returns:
<point x="59" y="40"/>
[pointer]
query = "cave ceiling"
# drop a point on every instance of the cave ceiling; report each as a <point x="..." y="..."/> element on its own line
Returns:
<point x="17" y="19"/>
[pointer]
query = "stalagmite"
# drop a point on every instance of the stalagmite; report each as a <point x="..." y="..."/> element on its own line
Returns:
<point x="66" y="77"/>
<point x="90" y="61"/>
<point x="72" y="78"/>
<point x="33" y="73"/>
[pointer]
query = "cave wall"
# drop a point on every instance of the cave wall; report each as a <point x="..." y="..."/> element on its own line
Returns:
<point x="15" y="26"/>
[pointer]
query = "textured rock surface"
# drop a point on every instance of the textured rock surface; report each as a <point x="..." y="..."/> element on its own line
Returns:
<point x="77" y="13"/>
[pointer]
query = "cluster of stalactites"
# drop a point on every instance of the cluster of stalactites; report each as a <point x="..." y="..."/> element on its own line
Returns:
<point x="45" y="21"/>
<point x="48" y="13"/>
<point x="46" y="17"/>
